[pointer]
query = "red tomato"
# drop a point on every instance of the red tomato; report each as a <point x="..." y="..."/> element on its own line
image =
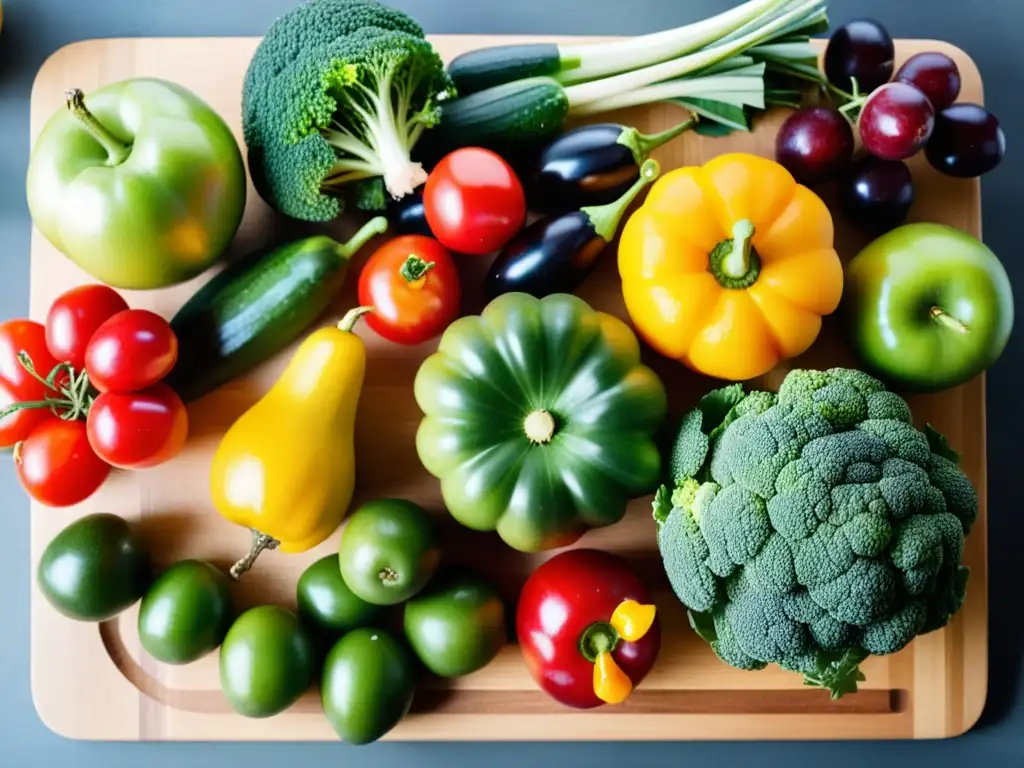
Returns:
<point x="410" y="305"/>
<point x="18" y="425"/>
<point x="28" y="336"/>
<point x="473" y="201"/>
<point x="16" y="384"/>
<point x="56" y="465"/>
<point x="561" y="599"/>
<point x="135" y="430"/>
<point x="75" y="316"/>
<point x="131" y="351"/>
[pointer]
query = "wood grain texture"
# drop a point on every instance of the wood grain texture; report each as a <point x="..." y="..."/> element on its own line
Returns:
<point x="96" y="683"/>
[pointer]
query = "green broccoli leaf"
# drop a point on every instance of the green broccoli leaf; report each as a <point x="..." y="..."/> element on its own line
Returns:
<point x="940" y="445"/>
<point x="717" y="404"/>
<point x="703" y="624"/>
<point x="662" y="505"/>
<point x="839" y="673"/>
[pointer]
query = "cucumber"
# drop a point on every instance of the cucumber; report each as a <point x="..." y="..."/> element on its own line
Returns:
<point x="523" y="111"/>
<point x="256" y="307"/>
<point x="476" y="70"/>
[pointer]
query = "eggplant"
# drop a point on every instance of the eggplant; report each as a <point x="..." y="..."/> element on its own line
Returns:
<point x="555" y="254"/>
<point x="592" y="165"/>
<point x="406" y="215"/>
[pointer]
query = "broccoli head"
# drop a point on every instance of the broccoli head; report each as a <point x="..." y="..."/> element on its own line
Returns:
<point x="336" y="96"/>
<point x="813" y="527"/>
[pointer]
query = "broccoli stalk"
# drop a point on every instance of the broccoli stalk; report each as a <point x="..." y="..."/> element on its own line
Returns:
<point x="376" y="126"/>
<point x="334" y="100"/>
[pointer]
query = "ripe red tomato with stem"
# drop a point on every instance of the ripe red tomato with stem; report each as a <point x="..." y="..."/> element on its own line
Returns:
<point x="565" y="619"/>
<point x="412" y="284"/>
<point x="75" y="316"/>
<point x="137" y="430"/>
<point x="18" y="384"/>
<point x="473" y="201"/>
<point x="131" y="351"/>
<point x="56" y="465"/>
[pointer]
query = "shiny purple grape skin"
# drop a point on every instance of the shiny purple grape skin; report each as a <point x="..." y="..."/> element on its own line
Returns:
<point x="967" y="141"/>
<point x="896" y="121"/>
<point x="814" y="144"/>
<point x="876" y="195"/>
<point x="861" y="49"/>
<point x="934" y="74"/>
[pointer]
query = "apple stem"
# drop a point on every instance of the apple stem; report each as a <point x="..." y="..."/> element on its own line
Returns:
<point x="944" y="318"/>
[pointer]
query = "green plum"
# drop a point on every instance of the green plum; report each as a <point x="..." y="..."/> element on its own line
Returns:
<point x="328" y="605"/>
<point x="389" y="550"/>
<point x="456" y="625"/>
<point x="927" y="307"/>
<point x="367" y="685"/>
<point x="267" y="661"/>
<point x="94" y="568"/>
<point x="186" y="612"/>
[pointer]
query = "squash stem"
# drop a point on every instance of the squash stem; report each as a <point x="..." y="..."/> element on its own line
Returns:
<point x="117" y="150"/>
<point x="539" y="426"/>
<point x="348" y="322"/>
<point x="260" y="542"/>
<point x="605" y="218"/>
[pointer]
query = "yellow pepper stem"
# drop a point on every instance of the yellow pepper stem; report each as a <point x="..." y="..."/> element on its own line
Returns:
<point x="260" y="542"/>
<point x="632" y="620"/>
<point x="611" y="684"/>
<point x="737" y="263"/>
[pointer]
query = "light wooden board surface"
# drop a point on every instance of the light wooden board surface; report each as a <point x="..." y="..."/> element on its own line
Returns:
<point x="94" y="682"/>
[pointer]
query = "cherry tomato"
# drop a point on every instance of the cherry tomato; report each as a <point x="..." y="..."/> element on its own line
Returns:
<point x="131" y="351"/>
<point x="75" y="316"/>
<point x="28" y="336"/>
<point x="413" y="286"/>
<point x="56" y="465"/>
<point x="136" y="430"/>
<point x="16" y="384"/>
<point x="473" y="201"/>
<point x="563" y="599"/>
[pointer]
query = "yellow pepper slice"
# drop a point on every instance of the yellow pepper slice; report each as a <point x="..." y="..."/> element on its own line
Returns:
<point x="611" y="684"/>
<point x="632" y="620"/>
<point x="729" y="267"/>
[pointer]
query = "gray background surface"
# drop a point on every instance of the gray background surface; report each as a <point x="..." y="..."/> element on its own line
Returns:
<point x="989" y="30"/>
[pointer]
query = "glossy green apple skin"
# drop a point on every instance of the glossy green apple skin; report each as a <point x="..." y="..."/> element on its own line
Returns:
<point x="892" y="289"/>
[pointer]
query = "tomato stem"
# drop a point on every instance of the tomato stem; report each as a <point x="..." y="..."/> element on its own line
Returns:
<point x="600" y="637"/>
<point x="414" y="268"/>
<point x="260" y="542"/>
<point x="76" y="397"/>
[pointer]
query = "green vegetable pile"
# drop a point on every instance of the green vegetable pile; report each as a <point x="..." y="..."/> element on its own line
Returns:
<point x="813" y="527"/>
<point x="335" y="97"/>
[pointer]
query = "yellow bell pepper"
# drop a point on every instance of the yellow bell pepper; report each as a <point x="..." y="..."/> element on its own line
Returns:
<point x="286" y="468"/>
<point x="729" y="267"/>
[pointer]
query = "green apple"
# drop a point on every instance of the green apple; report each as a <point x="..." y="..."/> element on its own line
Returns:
<point x="927" y="307"/>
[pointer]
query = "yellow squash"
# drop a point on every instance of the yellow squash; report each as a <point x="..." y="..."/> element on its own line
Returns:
<point x="286" y="468"/>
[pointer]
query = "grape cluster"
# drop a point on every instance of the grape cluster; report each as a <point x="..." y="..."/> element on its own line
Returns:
<point x="896" y="114"/>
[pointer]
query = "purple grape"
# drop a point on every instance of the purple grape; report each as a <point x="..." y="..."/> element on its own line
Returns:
<point x="814" y="144"/>
<point x="861" y="49"/>
<point x="896" y="121"/>
<point x="876" y="195"/>
<point x="967" y="141"/>
<point x="934" y="74"/>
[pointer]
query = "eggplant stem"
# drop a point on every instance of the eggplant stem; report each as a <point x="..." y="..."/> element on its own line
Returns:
<point x="605" y="218"/>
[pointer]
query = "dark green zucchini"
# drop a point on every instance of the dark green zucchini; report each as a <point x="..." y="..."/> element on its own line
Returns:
<point x="524" y="111"/>
<point x="476" y="70"/>
<point x="256" y="307"/>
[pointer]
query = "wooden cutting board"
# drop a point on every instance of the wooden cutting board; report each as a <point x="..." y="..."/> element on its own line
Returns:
<point x="94" y="682"/>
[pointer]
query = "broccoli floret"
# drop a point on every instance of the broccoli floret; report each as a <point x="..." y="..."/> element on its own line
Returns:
<point x="335" y="98"/>
<point x="817" y="526"/>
